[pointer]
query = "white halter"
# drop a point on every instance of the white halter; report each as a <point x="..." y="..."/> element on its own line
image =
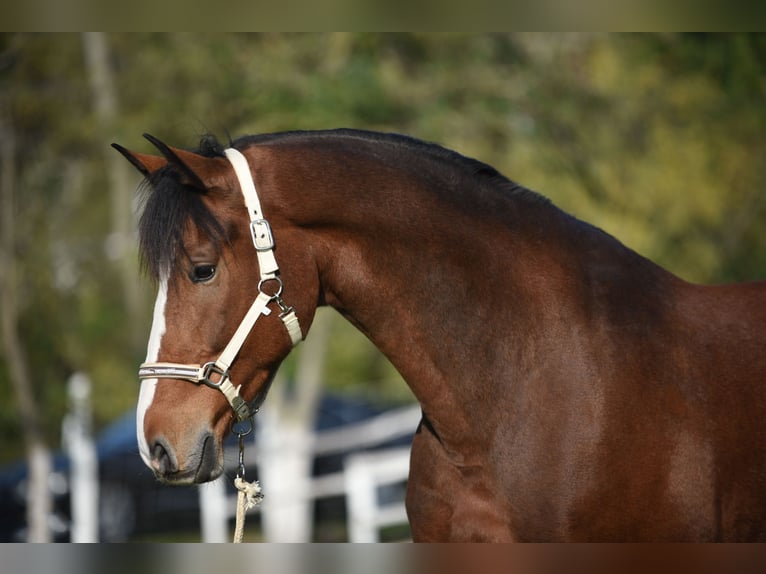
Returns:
<point x="263" y="240"/>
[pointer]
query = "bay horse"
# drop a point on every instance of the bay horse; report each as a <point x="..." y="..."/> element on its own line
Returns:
<point x="571" y="389"/>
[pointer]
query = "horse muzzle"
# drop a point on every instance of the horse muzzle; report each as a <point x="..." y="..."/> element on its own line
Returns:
<point x="202" y="461"/>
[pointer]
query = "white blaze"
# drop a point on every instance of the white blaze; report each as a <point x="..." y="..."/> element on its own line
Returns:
<point x="152" y="353"/>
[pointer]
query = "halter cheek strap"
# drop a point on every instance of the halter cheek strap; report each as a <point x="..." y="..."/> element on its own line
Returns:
<point x="216" y="374"/>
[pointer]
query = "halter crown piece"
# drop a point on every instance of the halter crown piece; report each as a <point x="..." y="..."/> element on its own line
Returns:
<point x="216" y="374"/>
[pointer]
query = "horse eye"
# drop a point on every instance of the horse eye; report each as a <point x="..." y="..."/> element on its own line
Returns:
<point x="203" y="273"/>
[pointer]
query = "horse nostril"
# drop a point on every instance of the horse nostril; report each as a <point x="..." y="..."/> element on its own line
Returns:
<point x="163" y="460"/>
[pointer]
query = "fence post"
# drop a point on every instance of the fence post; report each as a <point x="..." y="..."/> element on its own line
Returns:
<point x="214" y="511"/>
<point x="78" y="442"/>
<point x="364" y="473"/>
<point x="361" y="500"/>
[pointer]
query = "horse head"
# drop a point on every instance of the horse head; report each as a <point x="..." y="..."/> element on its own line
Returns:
<point x="225" y="315"/>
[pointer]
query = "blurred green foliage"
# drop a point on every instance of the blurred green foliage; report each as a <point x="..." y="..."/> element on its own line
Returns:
<point x="658" y="139"/>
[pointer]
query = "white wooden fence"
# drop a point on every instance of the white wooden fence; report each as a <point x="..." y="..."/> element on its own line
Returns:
<point x="362" y="475"/>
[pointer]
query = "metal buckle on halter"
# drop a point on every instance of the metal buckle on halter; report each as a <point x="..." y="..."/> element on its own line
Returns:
<point x="263" y="238"/>
<point x="210" y="368"/>
<point x="241" y="409"/>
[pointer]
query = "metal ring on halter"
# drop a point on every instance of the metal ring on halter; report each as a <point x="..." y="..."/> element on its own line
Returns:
<point x="275" y="295"/>
<point x="210" y="368"/>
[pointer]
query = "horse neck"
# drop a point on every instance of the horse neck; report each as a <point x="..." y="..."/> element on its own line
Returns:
<point x="432" y="282"/>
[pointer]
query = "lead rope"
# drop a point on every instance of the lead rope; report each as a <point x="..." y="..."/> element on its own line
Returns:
<point x="249" y="493"/>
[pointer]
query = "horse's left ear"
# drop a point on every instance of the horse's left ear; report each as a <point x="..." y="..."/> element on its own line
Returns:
<point x="197" y="170"/>
<point x="145" y="163"/>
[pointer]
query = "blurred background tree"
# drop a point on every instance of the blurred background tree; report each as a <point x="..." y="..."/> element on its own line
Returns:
<point x="655" y="138"/>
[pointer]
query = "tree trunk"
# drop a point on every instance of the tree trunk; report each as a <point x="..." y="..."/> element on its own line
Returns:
<point x="120" y="240"/>
<point x="38" y="454"/>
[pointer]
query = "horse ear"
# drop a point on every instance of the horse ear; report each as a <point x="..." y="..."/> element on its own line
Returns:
<point x="197" y="170"/>
<point x="145" y="163"/>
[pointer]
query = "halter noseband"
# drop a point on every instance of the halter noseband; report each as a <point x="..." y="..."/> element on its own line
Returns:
<point x="263" y="240"/>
